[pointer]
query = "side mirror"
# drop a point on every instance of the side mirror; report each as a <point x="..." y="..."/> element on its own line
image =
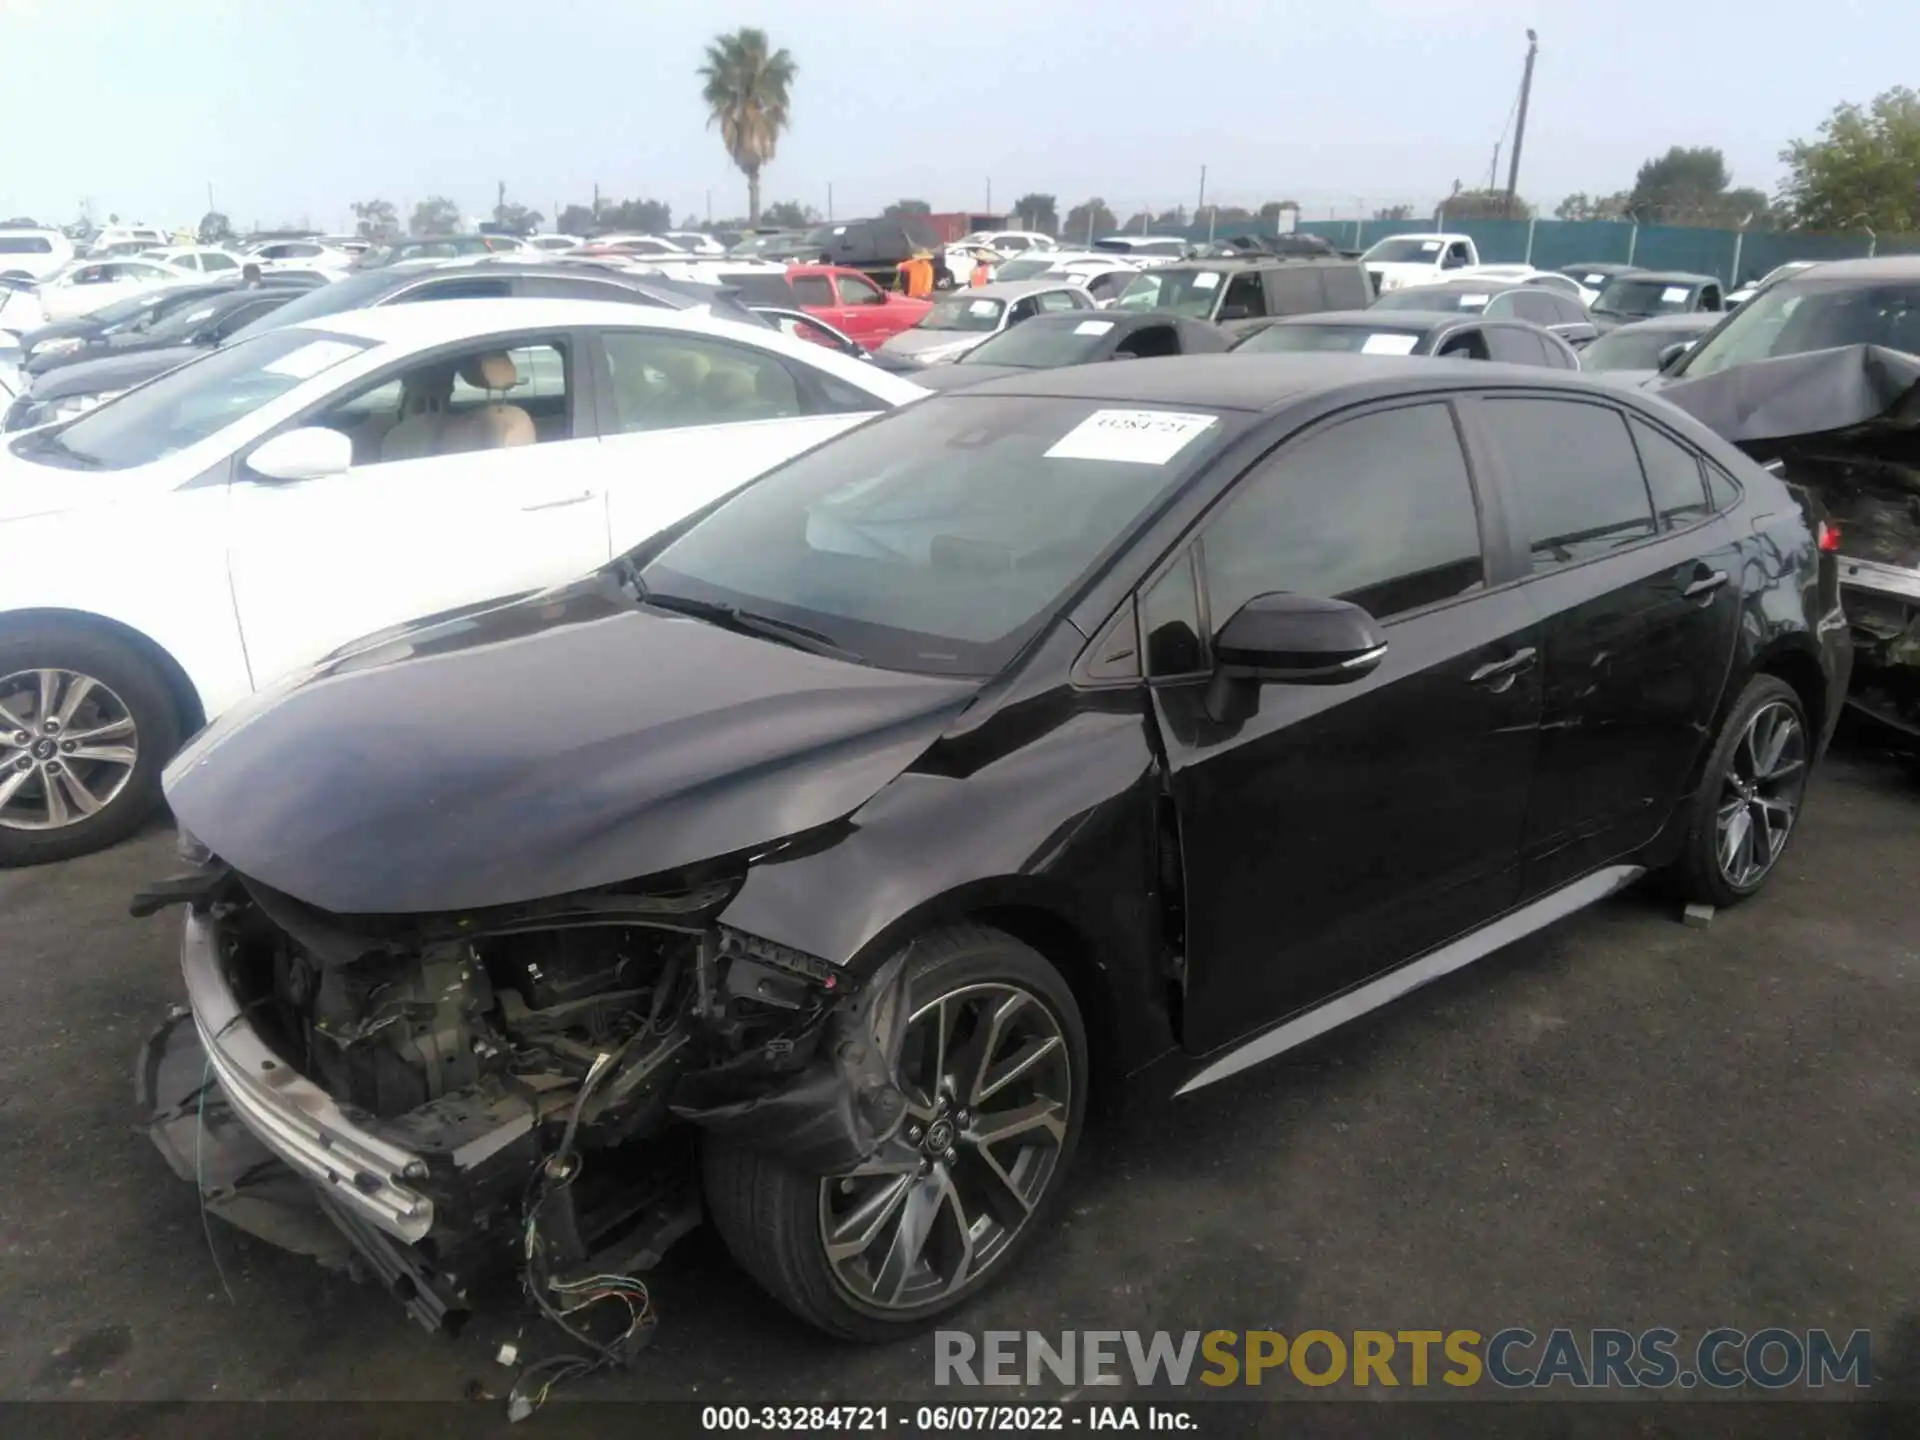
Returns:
<point x="1670" y="356"/>
<point x="311" y="452"/>
<point x="1300" y="640"/>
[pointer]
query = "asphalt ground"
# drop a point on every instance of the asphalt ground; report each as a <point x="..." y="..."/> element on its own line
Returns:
<point x="1623" y="1122"/>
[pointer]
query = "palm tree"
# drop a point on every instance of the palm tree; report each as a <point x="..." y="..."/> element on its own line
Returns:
<point x="746" y="94"/>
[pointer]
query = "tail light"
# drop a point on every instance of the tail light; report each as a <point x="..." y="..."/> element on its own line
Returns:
<point x="1828" y="537"/>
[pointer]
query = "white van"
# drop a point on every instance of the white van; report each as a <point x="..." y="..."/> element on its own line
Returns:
<point x="35" y="254"/>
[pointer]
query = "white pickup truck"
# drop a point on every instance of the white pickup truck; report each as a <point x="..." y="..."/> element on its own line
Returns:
<point x="1402" y="260"/>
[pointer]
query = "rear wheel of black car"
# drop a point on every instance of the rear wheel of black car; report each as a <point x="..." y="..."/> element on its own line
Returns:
<point x="86" y="724"/>
<point x="1743" y="815"/>
<point x="993" y="1064"/>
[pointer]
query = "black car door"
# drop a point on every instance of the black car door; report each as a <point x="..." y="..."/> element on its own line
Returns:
<point x="1337" y="830"/>
<point x="1638" y="607"/>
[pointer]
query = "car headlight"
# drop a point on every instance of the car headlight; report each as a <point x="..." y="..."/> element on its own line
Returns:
<point x="60" y="345"/>
<point x="72" y="405"/>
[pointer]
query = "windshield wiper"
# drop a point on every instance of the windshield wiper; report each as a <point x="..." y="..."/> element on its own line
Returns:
<point x="746" y="622"/>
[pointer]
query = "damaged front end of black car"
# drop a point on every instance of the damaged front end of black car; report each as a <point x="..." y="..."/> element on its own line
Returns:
<point x="428" y="1099"/>
<point x="1843" y="425"/>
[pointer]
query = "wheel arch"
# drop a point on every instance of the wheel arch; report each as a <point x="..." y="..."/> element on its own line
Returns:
<point x="1792" y="659"/>
<point x="188" y="706"/>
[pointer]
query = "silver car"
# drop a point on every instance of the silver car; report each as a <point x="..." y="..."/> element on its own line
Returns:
<point x="961" y="319"/>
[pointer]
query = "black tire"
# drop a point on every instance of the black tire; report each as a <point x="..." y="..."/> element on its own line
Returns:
<point x="771" y="1216"/>
<point x="136" y="683"/>
<point x="1697" y="875"/>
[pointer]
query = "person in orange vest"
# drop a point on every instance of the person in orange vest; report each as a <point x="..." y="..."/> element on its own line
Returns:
<point x="916" y="274"/>
<point x="982" y="267"/>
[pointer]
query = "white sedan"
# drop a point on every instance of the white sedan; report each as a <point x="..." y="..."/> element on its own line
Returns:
<point x="242" y="516"/>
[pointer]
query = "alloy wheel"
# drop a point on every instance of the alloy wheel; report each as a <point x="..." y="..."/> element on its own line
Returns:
<point x="1760" y="794"/>
<point x="68" y="747"/>
<point x="988" y="1080"/>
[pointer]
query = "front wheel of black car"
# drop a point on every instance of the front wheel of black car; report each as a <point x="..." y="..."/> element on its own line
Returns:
<point x="993" y="1064"/>
<point x="86" y="725"/>
<point x="1749" y="800"/>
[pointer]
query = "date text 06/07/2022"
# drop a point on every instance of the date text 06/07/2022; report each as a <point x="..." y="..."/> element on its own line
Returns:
<point x="939" y="1419"/>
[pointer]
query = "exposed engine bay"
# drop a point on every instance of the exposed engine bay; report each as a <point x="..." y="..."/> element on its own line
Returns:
<point x="543" y="1069"/>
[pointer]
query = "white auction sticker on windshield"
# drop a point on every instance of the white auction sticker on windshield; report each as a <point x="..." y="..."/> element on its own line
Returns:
<point x="982" y="307"/>
<point x="1137" y="437"/>
<point x="1474" y="302"/>
<point x="1674" y="295"/>
<point x="1093" y="327"/>
<point x="1205" y="280"/>
<point x="1389" y="344"/>
<point x="1427" y="247"/>
<point x="309" y="360"/>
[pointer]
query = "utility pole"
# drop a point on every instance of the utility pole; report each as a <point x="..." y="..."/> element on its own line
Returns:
<point x="829" y="202"/>
<point x="1493" y="171"/>
<point x="1201" y="204"/>
<point x="989" y="195"/>
<point x="709" y="207"/>
<point x="1520" y="126"/>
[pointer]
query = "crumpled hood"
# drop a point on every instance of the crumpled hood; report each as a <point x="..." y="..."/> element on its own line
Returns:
<point x="1807" y="394"/>
<point x="551" y="744"/>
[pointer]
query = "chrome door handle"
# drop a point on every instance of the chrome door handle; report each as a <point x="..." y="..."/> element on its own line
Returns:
<point x="1502" y="672"/>
<point x="1706" y="585"/>
<point x="580" y="499"/>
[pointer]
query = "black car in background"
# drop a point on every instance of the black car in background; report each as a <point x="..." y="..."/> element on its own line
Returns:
<point x="826" y="854"/>
<point x="1076" y="338"/>
<point x="200" y="323"/>
<point x="1596" y="275"/>
<point x="1496" y="299"/>
<point x="130" y="316"/>
<point x="74" y="387"/>
<point x="1446" y="335"/>
<point x="1642" y="294"/>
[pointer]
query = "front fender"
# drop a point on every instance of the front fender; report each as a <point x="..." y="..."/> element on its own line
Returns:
<point x="1057" y="828"/>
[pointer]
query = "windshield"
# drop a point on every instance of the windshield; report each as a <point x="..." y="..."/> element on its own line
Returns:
<point x="962" y="312"/>
<point x="1043" y="344"/>
<point x="1629" y="348"/>
<point x="1443" y="298"/>
<point x="186" y="405"/>
<point x="181" y="323"/>
<point x="1347" y="339"/>
<point x="1402" y="250"/>
<point x="1192" y="293"/>
<point x="1797" y="315"/>
<point x="355" y="292"/>
<point x="939" y="538"/>
<point x="1632" y="295"/>
<point x="121" y="311"/>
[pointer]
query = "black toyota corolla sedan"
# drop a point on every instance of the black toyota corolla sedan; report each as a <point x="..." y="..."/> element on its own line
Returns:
<point x="813" y="865"/>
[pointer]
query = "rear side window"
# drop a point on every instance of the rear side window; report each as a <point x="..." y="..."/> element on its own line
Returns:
<point x="1294" y="292"/>
<point x="1721" y="489"/>
<point x="1673" y="475"/>
<point x="1377" y="510"/>
<point x="1535" y="305"/>
<point x="25" y="245"/>
<point x="1575" y="475"/>
<point x="1514" y="345"/>
<point x="1244" y="298"/>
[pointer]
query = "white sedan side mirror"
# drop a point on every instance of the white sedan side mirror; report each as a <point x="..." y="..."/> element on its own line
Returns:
<point x="312" y="452"/>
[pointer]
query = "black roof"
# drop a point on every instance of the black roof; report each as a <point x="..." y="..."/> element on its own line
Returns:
<point x="1254" y="260"/>
<point x="1121" y="319"/>
<point x="1692" y="322"/>
<point x="1269" y="381"/>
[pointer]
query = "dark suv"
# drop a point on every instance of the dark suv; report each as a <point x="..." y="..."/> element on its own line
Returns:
<point x="1170" y="713"/>
<point x="1231" y="292"/>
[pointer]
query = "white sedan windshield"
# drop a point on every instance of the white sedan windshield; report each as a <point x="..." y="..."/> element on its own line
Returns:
<point x="185" y="406"/>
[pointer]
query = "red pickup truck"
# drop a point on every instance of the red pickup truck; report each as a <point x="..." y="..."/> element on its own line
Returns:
<point x="853" y="304"/>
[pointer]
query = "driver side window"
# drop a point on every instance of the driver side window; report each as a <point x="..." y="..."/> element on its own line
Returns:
<point x="1376" y="510"/>
<point x="491" y="398"/>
